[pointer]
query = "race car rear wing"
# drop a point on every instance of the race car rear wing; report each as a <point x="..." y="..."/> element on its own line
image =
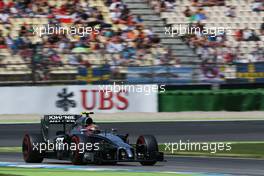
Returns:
<point x="49" y="122"/>
<point x="59" y="122"/>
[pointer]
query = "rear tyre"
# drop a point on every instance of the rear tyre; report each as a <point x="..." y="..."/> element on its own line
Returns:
<point x="77" y="156"/>
<point x="148" y="146"/>
<point x="32" y="154"/>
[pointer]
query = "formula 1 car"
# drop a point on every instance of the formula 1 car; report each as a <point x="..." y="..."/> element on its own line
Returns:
<point x="78" y="138"/>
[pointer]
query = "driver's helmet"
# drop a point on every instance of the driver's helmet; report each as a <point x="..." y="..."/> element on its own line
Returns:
<point x="88" y="121"/>
<point x="92" y="127"/>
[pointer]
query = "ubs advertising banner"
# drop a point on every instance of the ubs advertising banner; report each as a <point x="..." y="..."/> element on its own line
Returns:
<point x="75" y="99"/>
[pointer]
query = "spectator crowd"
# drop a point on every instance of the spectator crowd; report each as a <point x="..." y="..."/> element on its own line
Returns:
<point x="124" y="35"/>
<point x="212" y="48"/>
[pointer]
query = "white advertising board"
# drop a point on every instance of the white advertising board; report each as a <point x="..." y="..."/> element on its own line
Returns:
<point x="73" y="100"/>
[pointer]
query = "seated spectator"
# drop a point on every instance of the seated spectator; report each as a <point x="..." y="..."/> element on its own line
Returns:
<point x="114" y="46"/>
<point x="139" y="20"/>
<point x="114" y="4"/>
<point x="257" y="54"/>
<point x="130" y="35"/>
<point x="170" y="4"/>
<point x="230" y="12"/>
<point x="262" y="28"/>
<point x="80" y="47"/>
<point x="257" y="6"/>
<point x="74" y="59"/>
<point x="166" y="57"/>
<point x="42" y="68"/>
<point x="214" y="2"/>
<point x="155" y="4"/>
<point x="2" y="4"/>
<point x="250" y="35"/>
<point x="247" y="34"/>
<point x="4" y="16"/>
<point x="200" y="3"/>
<point x="197" y="3"/>
<point x="9" y="42"/>
<point x="125" y="14"/>
<point x="200" y="15"/>
<point x="254" y="36"/>
<point x="187" y="12"/>
<point x="129" y="53"/>
<point x="115" y="15"/>
<point x="64" y="45"/>
<point x="37" y="57"/>
<point x="229" y="56"/>
<point x="162" y="5"/>
<point x="239" y="35"/>
<point x="17" y="44"/>
<point x="54" y="57"/>
<point x="2" y="40"/>
<point x="24" y="31"/>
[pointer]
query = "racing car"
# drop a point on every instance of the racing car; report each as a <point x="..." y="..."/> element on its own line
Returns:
<point x="78" y="139"/>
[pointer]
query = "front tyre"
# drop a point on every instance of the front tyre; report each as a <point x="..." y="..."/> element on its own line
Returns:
<point x="147" y="149"/>
<point x="31" y="153"/>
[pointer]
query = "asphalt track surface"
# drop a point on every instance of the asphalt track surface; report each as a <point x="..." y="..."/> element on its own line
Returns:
<point x="208" y="166"/>
<point x="165" y="132"/>
<point x="11" y="135"/>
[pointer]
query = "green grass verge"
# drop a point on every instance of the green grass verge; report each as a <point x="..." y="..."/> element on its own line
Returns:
<point x="10" y="149"/>
<point x="59" y="172"/>
<point x="18" y="121"/>
<point x="253" y="149"/>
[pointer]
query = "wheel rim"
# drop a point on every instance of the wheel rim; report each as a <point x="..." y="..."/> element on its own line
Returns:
<point x="141" y="142"/>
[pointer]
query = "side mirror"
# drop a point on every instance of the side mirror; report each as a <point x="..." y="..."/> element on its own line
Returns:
<point x="126" y="136"/>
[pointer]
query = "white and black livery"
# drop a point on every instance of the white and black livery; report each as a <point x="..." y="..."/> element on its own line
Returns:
<point x="78" y="139"/>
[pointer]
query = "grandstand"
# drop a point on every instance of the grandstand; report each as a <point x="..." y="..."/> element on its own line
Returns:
<point x="132" y="34"/>
<point x="233" y="15"/>
<point x="120" y="40"/>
